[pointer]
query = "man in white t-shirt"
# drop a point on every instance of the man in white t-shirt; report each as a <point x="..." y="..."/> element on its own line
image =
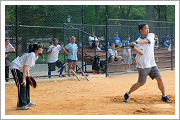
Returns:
<point x="8" y="48"/>
<point x="53" y="61"/>
<point x="146" y="65"/>
<point x="93" y="41"/>
<point x="113" y="56"/>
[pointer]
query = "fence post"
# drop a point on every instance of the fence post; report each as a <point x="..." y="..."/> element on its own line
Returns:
<point x="64" y="46"/>
<point x="106" y="41"/>
<point x="82" y="48"/>
<point x="171" y="46"/>
<point x="16" y="30"/>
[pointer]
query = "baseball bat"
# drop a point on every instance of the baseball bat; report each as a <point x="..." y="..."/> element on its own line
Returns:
<point x="118" y="48"/>
<point x="74" y="73"/>
<point x="84" y="75"/>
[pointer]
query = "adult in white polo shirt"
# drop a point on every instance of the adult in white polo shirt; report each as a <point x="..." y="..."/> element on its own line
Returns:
<point x="8" y="48"/>
<point x="53" y="61"/>
<point x="145" y="62"/>
<point x="94" y="42"/>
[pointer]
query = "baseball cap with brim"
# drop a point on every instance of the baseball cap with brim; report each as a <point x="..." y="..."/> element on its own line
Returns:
<point x="128" y="36"/>
<point x="116" y="32"/>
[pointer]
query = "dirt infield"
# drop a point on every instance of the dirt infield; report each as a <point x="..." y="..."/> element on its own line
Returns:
<point x="99" y="96"/>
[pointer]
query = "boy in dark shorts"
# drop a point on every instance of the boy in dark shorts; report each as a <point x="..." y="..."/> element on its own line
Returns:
<point x="53" y="52"/>
<point x="145" y="63"/>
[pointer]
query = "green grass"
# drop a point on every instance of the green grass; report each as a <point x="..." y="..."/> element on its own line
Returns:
<point x="60" y="57"/>
<point x="39" y="60"/>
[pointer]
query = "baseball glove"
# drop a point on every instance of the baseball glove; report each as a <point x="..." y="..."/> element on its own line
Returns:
<point x="31" y="81"/>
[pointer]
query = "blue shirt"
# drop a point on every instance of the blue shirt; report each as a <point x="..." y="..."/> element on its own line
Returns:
<point x="116" y="39"/>
<point x="166" y="39"/>
<point x="126" y="43"/>
<point x="72" y="48"/>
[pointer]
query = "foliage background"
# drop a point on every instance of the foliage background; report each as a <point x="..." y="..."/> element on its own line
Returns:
<point x="55" y="15"/>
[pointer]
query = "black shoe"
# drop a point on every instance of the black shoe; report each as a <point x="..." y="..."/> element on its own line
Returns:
<point x="126" y="97"/>
<point x="165" y="99"/>
<point x="7" y="79"/>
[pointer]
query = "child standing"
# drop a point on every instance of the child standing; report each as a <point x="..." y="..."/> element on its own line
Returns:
<point x="127" y="55"/>
<point x="53" y="61"/>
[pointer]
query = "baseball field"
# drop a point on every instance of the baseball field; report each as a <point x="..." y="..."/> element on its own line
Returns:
<point x="99" y="96"/>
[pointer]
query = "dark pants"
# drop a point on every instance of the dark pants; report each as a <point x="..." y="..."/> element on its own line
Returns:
<point x="6" y="69"/>
<point x="51" y="66"/>
<point x="23" y="92"/>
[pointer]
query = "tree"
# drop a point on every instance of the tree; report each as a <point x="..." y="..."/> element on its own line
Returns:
<point x="125" y="10"/>
<point x="150" y="16"/>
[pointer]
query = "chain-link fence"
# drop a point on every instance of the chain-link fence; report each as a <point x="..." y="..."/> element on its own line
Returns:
<point x="164" y="58"/>
<point x="34" y="24"/>
<point x="40" y="24"/>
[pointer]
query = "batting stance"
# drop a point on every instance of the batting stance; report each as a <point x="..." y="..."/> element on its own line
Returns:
<point x="53" y="52"/>
<point x="144" y="46"/>
<point x="19" y="68"/>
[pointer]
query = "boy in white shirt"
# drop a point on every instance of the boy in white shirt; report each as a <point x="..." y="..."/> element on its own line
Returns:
<point x="53" y="61"/>
<point x="127" y="55"/>
<point x="113" y="56"/>
<point x="144" y="47"/>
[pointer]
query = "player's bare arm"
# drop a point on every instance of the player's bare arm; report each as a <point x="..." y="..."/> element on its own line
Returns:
<point x="24" y="75"/>
<point x="50" y="51"/>
<point x="128" y="52"/>
<point x="28" y="73"/>
<point x="145" y="41"/>
<point x="141" y="52"/>
<point x="12" y="50"/>
<point x="65" y="50"/>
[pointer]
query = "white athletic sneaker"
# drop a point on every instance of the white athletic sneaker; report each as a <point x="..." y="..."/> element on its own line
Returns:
<point x="31" y="104"/>
<point x="98" y="48"/>
<point x="129" y="71"/>
<point x="23" y="108"/>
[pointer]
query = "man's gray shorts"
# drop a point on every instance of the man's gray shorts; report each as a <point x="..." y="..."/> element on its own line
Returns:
<point x="153" y="72"/>
<point x="52" y="66"/>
